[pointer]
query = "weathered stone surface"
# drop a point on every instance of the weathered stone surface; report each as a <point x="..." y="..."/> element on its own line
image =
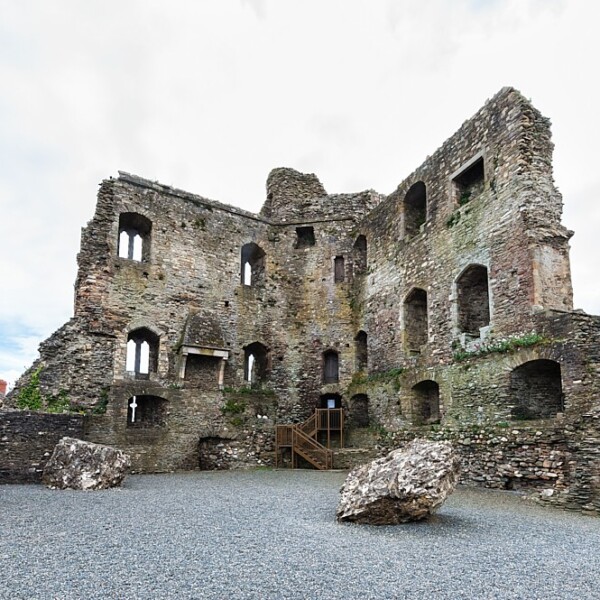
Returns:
<point x="79" y="465"/>
<point x="27" y="440"/>
<point x="408" y="484"/>
<point x="429" y="298"/>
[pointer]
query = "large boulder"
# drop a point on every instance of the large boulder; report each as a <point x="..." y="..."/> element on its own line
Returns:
<point x="79" y="465"/>
<point x="406" y="485"/>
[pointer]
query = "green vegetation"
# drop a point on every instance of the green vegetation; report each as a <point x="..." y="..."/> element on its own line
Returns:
<point x="233" y="407"/>
<point x="453" y="219"/>
<point x="102" y="403"/>
<point x="464" y="197"/>
<point x="389" y="376"/>
<point x="503" y="346"/>
<point x="30" y="397"/>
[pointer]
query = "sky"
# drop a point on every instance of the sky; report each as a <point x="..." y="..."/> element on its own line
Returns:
<point x="210" y="95"/>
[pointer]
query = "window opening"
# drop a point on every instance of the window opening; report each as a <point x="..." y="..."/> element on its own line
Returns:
<point x="415" y="208"/>
<point x="330" y="366"/>
<point x="426" y="403"/>
<point x="146" y="411"/>
<point x="338" y="269"/>
<point x="142" y="353"/>
<point x="415" y="320"/>
<point x="469" y="183"/>
<point x="256" y="359"/>
<point x="134" y="237"/>
<point x="362" y="351"/>
<point x="305" y="237"/>
<point x="473" y="300"/>
<point x="253" y="264"/>
<point x="536" y="390"/>
<point x="359" y="255"/>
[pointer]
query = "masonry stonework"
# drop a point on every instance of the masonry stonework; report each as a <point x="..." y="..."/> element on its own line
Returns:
<point x="442" y="310"/>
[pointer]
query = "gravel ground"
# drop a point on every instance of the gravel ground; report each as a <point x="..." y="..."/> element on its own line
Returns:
<point x="272" y="534"/>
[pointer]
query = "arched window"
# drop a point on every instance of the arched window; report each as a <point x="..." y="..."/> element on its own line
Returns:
<point x="536" y="390"/>
<point x="255" y="363"/>
<point x="415" y="208"/>
<point x="415" y="320"/>
<point x="142" y="353"/>
<point x="330" y="367"/>
<point x="253" y="264"/>
<point x="359" y="255"/>
<point x="134" y="237"/>
<point x="146" y="411"/>
<point x="473" y="299"/>
<point x="362" y="351"/>
<point x="426" y="403"/>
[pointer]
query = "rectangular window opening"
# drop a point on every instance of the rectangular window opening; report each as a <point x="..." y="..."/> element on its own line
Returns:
<point x="305" y="237"/>
<point x="469" y="182"/>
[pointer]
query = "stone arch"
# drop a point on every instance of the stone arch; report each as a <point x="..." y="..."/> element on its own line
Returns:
<point x="473" y="299"/>
<point x="415" y="320"/>
<point x="331" y="366"/>
<point x="415" y="208"/>
<point x="426" y="402"/>
<point x="252" y="264"/>
<point x="536" y="390"/>
<point x="146" y="411"/>
<point x="361" y="349"/>
<point x="134" y="237"/>
<point x="256" y="363"/>
<point x="358" y="411"/>
<point x="142" y="352"/>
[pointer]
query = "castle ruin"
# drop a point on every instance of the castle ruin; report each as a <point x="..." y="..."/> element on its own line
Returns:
<point x="442" y="310"/>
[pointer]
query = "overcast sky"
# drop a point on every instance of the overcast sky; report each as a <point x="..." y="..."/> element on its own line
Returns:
<point x="210" y="95"/>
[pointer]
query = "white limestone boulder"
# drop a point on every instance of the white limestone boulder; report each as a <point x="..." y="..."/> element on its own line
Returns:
<point x="79" y="465"/>
<point x="408" y="484"/>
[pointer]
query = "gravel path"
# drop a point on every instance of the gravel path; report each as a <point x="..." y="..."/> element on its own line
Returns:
<point x="272" y="534"/>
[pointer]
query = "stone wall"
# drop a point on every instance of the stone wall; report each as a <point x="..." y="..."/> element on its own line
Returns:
<point x="439" y="307"/>
<point x="27" y="440"/>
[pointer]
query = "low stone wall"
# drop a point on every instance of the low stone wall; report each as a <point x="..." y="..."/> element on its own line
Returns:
<point x="27" y="440"/>
<point x="558" y="465"/>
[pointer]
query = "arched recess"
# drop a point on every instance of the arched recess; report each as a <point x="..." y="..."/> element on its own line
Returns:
<point x="473" y="299"/>
<point x="426" y="403"/>
<point x="415" y="208"/>
<point x="146" y="411"/>
<point x="256" y="359"/>
<point x="330" y="401"/>
<point x="252" y="264"/>
<point x="134" y="237"/>
<point x="536" y="390"/>
<point x="142" y="352"/>
<point x="358" y="411"/>
<point x="361" y="349"/>
<point x="415" y="320"/>
<point x="359" y="255"/>
<point x="331" y="373"/>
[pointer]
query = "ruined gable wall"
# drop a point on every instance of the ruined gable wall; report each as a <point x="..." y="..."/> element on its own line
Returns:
<point x="491" y="228"/>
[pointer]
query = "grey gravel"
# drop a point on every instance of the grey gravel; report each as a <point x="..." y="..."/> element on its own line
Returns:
<point x="272" y="534"/>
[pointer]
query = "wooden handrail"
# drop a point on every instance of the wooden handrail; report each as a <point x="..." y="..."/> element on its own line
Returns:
<point x="311" y="450"/>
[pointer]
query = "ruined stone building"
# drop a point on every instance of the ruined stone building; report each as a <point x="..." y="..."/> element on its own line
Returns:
<point x="441" y="310"/>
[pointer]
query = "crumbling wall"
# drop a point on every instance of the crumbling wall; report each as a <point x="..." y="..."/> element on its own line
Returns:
<point x="27" y="440"/>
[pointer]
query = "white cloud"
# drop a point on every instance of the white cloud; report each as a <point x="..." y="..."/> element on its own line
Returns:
<point x="209" y="96"/>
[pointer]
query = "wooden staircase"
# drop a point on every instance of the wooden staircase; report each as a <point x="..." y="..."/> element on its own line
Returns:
<point x="301" y="439"/>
